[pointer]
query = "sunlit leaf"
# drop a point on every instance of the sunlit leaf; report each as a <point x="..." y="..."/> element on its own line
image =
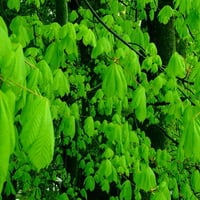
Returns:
<point x="126" y="191"/>
<point x="165" y="14"/>
<point x="7" y="133"/>
<point x="89" y="126"/>
<point x="145" y="179"/>
<point x="37" y="135"/>
<point x="176" y="66"/>
<point x="13" y="4"/>
<point x="60" y="83"/>
<point x="114" y="82"/>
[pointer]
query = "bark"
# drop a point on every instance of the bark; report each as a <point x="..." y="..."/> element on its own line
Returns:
<point x="164" y="36"/>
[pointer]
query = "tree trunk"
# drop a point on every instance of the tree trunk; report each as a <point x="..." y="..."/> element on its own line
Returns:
<point x="164" y="36"/>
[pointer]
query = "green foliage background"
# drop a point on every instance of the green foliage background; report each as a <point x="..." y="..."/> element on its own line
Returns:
<point x="91" y="107"/>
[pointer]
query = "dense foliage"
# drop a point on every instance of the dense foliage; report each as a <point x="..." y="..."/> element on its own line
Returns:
<point x="100" y="99"/>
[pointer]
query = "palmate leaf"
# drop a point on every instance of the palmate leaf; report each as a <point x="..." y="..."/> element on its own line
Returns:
<point x="139" y="103"/>
<point x="7" y="136"/>
<point x="176" y="66"/>
<point x="114" y="82"/>
<point x="37" y="135"/>
<point x="165" y="14"/>
<point x="16" y="70"/>
<point x="190" y="140"/>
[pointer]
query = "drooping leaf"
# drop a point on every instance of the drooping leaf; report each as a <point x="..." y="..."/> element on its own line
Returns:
<point x="7" y="133"/>
<point x="103" y="45"/>
<point x="3" y="25"/>
<point x="13" y="4"/>
<point x="16" y="70"/>
<point x="89" y="126"/>
<point x="114" y="82"/>
<point x="37" y="135"/>
<point x="60" y="83"/>
<point x="139" y="103"/>
<point x="190" y="139"/>
<point x="5" y="46"/>
<point x="68" y="126"/>
<point x="176" y="66"/>
<point x="145" y="179"/>
<point x="126" y="191"/>
<point x="195" y="180"/>
<point x="165" y="14"/>
<point x="22" y="30"/>
<point x="89" y="183"/>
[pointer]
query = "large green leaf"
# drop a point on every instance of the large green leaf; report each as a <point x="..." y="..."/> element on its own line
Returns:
<point x="16" y="70"/>
<point x="114" y="82"/>
<point x="145" y="179"/>
<point x="126" y="191"/>
<point x="7" y="135"/>
<point x="13" y="4"/>
<point x="176" y="66"/>
<point x="165" y="14"/>
<point x="139" y="103"/>
<point x="37" y="135"/>
<point x="5" y="45"/>
<point x="190" y="139"/>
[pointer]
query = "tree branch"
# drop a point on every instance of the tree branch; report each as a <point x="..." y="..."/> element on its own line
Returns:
<point x="114" y="33"/>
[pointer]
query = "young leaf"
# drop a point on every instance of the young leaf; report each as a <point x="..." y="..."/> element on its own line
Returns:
<point x="16" y="70"/>
<point x="13" y="4"/>
<point x="37" y="135"/>
<point x="89" y="183"/>
<point x="145" y="179"/>
<point x="114" y="82"/>
<point x="68" y="126"/>
<point x="190" y="139"/>
<point x="5" y="46"/>
<point x="3" y="25"/>
<point x="126" y="191"/>
<point x="176" y="66"/>
<point x="165" y="14"/>
<point x="22" y="29"/>
<point x="7" y="134"/>
<point x="60" y="83"/>
<point x="89" y="126"/>
<point x="139" y="103"/>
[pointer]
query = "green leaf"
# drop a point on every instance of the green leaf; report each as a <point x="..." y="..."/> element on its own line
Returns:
<point x="114" y="82"/>
<point x="46" y="81"/>
<point x="165" y="14"/>
<point x="37" y="135"/>
<point x="5" y="46"/>
<point x="68" y="126"/>
<point x="195" y="180"/>
<point x="89" y="126"/>
<point x="16" y="70"/>
<point x="89" y="38"/>
<point x="52" y="55"/>
<point x="190" y="139"/>
<point x="126" y="191"/>
<point x="108" y="153"/>
<point x="145" y="179"/>
<point x="3" y="25"/>
<point x="105" y="168"/>
<point x="89" y="183"/>
<point x="103" y="46"/>
<point x="139" y="103"/>
<point x="176" y="66"/>
<point x="60" y="83"/>
<point x="13" y="4"/>
<point x="7" y="133"/>
<point x="22" y="30"/>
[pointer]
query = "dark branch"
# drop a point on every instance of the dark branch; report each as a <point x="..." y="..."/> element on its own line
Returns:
<point x="114" y="33"/>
